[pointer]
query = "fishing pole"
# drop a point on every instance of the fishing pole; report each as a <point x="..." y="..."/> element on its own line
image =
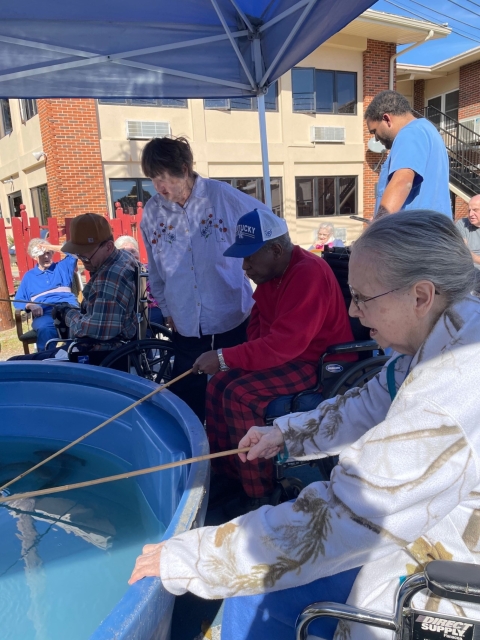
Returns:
<point x="45" y="304"/>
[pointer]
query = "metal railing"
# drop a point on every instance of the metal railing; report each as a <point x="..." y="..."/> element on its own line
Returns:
<point x="463" y="148"/>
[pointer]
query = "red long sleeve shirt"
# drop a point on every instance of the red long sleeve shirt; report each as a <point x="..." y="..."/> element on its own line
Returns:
<point x="295" y="317"/>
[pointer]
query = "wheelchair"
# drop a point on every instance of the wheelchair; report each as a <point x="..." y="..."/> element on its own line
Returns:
<point x="335" y="377"/>
<point x="147" y="357"/>
<point x="446" y="579"/>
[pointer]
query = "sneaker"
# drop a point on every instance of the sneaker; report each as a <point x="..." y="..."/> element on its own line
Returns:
<point x="222" y="489"/>
<point x="244" y="504"/>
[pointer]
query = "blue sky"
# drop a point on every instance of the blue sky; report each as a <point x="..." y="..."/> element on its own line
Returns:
<point x="432" y="52"/>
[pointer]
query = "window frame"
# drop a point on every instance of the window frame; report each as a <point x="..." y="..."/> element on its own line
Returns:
<point x="259" y="191"/>
<point x="315" y="196"/>
<point x="28" y="108"/>
<point x="4" y="129"/>
<point x="149" y="102"/>
<point x="334" y="110"/>
<point x="35" y="193"/>
<point x="140" y="190"/>
<point x="227" y="103"/>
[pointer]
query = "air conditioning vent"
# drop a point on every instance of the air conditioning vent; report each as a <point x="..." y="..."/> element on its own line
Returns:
<point x="327" y="134"/>
<point x="145" y="130"/>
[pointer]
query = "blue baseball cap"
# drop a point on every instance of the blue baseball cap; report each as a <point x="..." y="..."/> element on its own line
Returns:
<point x="254" y="229"/>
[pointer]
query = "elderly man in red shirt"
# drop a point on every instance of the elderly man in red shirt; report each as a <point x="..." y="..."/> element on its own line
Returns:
<point x="299" y="311"/>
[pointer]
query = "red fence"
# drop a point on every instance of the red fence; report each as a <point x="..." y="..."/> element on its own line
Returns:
<point x="23" y="229"/>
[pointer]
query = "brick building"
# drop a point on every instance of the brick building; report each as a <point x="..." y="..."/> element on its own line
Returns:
<point x="319" y="163"/>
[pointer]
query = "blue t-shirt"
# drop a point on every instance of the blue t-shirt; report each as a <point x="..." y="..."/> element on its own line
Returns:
<point x="36" y="281"/>
<point x="419" y="146"/>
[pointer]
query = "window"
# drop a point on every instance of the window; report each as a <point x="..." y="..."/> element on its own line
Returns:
<point x="326" y="196"/>
<point x="14" y="202"/>
<point x="129" y="191"/>
<point x="41" y="203"/>
<point x="323" y="91"/>
<point x="5" y="118"/>
<point x="254" y="188"/>
<point x="147" y="102"/>
<point x="28" y="108"/>
<point x="244" y="103"/>
<point x="442" y="111"/>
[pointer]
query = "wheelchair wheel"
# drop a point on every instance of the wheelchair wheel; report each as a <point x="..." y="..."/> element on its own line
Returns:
<point x="356" y="376"/>
<point x="159" y="331"/>
<point x="149" y="359"/>
<point x="287" y="489"/>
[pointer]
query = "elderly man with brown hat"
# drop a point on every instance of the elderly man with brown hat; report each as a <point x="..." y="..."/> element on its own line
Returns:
<point x="107" y="313"/>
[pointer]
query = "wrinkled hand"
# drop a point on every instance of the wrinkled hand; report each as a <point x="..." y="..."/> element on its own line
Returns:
<point x="208" y="362"/>
<point x="36" y="309"/>
<point x="169" y="323"/>
<point x="265" y="442"/>
<point x="148" y="564"/>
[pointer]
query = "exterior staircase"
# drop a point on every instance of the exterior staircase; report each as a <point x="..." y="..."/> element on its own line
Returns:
<point x="463" y="148"/>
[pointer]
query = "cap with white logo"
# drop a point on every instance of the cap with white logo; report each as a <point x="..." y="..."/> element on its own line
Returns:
<point x="254" y="229"/>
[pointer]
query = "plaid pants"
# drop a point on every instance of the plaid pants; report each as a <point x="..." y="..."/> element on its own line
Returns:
<point x="236" y="400"/>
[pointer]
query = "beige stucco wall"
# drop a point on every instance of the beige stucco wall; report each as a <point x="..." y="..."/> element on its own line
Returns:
<point x="226" y="144"/>
<point x="437" y="86"/>
<point x="17" y="161"/>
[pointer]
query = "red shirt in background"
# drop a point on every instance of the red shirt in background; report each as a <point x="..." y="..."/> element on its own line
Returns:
<point x="295" y="317"/>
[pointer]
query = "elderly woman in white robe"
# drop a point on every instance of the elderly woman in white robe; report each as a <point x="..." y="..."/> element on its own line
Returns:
<point x="407" y="486"/>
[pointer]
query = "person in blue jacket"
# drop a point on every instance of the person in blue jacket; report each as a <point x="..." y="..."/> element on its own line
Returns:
<point x="48" y="282"/>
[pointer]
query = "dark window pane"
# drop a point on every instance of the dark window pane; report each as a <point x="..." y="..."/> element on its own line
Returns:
<point x="346" y="92"/>
<point x="248" y="185"/>
<point x="304" y="197"/>
<point x="41" y="204"/>
<point x="6" y="117"/>
<point x="434" y="109"/>
<point x="173" y="102"/>
<point x="216" y="103"/>
<point x="147" y="190"/>
<point x="347" y="192"/>
<point x="112" y="101"/>
<point x="271" y="98"/>
<point x="303" y="89"/>
<point x="241" y="104"/>
<point x="143" y="101"/>
<point x="125" y="192"/>
<point x="14" y="202"/>
<point x="326" y="196"/>
<point x="324" y="81"/>
<point x="451" y="104"/>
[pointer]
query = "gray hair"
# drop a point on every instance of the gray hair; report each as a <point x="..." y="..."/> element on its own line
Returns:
<point x="390" y="102"/>
<point x="419" y="245"/>
<point x="121" y="241"/>
<point x="34" y="242"/>
<point x="284" y="241"/>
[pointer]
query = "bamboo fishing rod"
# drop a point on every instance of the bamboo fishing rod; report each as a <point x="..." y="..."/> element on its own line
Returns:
<point x="100" y="426"/>
<point x="121" y="476"/>
<point x="45" y="304"/>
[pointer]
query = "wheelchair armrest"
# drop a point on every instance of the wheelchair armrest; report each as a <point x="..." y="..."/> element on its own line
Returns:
<point x="454" y="580"/>
<point x="352" y="347"/>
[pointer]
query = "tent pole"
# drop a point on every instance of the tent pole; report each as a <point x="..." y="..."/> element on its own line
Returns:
<point x="264" y="146"/>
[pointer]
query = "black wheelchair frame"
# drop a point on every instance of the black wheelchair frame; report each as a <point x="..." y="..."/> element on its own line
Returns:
<point x="457" y="581"/>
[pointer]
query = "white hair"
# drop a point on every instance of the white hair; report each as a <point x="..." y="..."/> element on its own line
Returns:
<point x="123" y="241"/>
<point x="419" y="245"/>
<point x="33" y="244"/>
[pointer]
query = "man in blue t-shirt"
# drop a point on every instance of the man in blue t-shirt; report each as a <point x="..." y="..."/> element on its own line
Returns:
<point x="49" y="283"/>
<point x="416" y="173"/>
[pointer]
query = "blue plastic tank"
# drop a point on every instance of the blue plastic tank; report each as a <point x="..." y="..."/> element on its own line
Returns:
<point x="62" y="402"/>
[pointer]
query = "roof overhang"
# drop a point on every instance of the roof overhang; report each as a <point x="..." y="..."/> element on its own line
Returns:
<point x="443" y="68"/>
<point x="387" y="27"/>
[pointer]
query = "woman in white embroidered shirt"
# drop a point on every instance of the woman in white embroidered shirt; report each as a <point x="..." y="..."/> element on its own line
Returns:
<point x="407" y="487"/>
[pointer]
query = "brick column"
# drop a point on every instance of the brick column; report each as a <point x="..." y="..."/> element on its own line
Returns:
<point x="461" y="208"/>
<point x="469" y="91"/>
<point x="376" y="67"/>
<point x="419" y="95"/>
<point x="70" y="138"/>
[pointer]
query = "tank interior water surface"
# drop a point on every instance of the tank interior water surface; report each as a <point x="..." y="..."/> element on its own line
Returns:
<point x="65" y="558"/>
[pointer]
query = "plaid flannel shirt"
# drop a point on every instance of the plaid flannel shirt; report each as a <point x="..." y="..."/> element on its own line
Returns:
<point x="108" y="307"/>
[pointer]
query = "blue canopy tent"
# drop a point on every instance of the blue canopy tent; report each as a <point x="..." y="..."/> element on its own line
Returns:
<point x="162" y="49"/>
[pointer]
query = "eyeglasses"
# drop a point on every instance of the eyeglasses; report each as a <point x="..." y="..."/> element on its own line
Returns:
<point x="357" y="300"/>
<point x="86" y="260"/>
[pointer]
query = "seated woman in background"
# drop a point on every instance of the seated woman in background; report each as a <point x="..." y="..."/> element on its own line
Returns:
<point x="129" y="243"/>
<point x="406" y="489"/>
<point x="48" y="282"/>
<point x="325" y="237"/>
